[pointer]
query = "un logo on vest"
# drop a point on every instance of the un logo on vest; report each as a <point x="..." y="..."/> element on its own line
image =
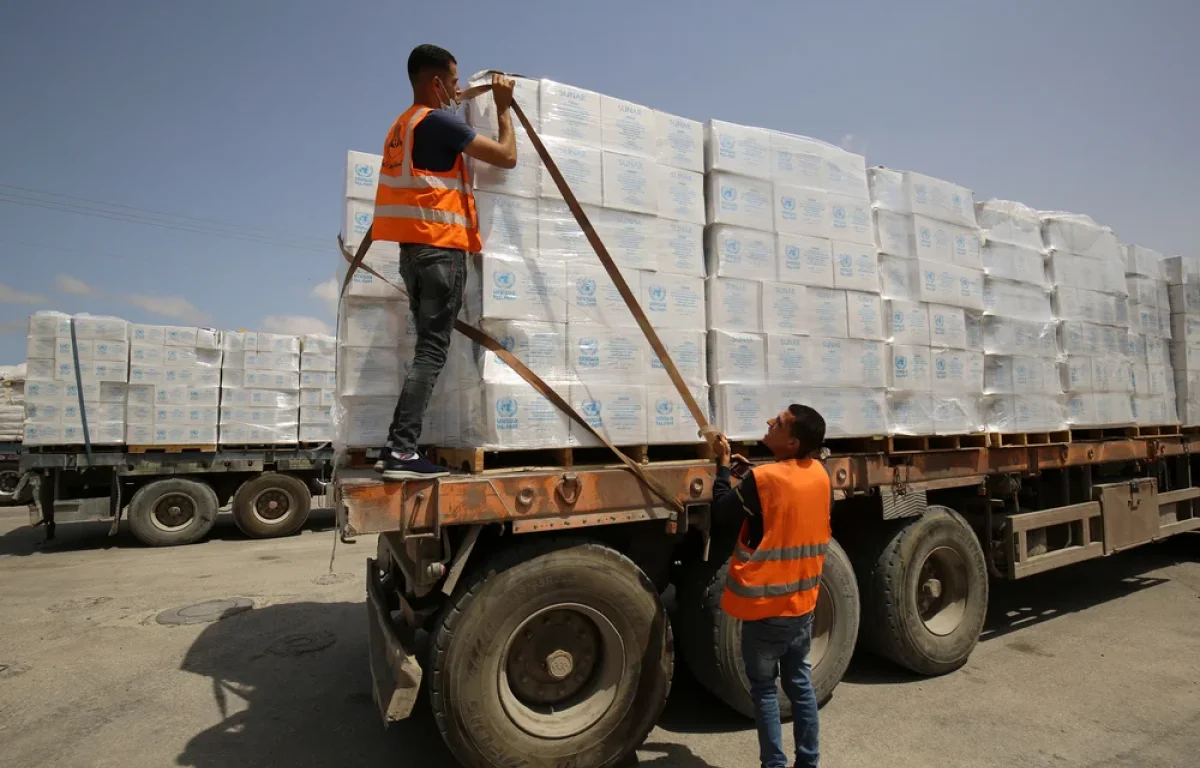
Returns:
<point x="506" y="407"/>
<point x="504" y="279"/>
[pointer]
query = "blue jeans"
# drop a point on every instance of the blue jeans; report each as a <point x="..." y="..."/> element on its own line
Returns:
<point x="770" y="647"/>
<point x="434" y="279"/>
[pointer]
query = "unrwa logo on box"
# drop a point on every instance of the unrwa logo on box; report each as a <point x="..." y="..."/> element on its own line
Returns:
<point x="586" y="286"/>
<point x="504" y="279"/>
<point x="839" y="213"/>
<point x="788" y="203"/>
<point x="591" y="408"/>
<point x="506" y="407"/>
<point x="733" y="247"/>
<point x="729" y="194"/>
<point x="658" y="298"/>
<point x="363" y="173"/>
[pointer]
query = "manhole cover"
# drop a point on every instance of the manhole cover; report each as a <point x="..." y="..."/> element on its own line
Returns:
<point x="326" y="579"/>
<point x="203" y="613"/>
<point x="301" y="644"/>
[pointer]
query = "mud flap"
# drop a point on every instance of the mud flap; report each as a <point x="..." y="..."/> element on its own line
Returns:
<point x="395" y="672"/>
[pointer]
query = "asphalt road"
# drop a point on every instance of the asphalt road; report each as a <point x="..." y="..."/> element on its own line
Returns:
<point x="1096" y="666"/>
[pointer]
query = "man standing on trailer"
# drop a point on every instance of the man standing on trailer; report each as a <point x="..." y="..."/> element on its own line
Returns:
<point x="775" y="573"/>
<point x="424" y="203"/>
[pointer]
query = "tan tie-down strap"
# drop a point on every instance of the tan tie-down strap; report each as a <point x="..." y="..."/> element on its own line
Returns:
<point x="481" y="338"/>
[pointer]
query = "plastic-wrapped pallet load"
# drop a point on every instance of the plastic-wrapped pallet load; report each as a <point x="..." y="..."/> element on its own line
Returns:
<point x="1084" y="266"/>
<point x="260" y="389"/>
<point x="1152" y="379"/>
<point x="1183" y="277"/>
<point x="318" y="355"/>
<point x="12" y="402"/>
<point x="52" y="398"/>
<point x="175" y="385"/>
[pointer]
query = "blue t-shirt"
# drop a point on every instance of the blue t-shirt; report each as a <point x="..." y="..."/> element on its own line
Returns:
<point x="438" y="140"/>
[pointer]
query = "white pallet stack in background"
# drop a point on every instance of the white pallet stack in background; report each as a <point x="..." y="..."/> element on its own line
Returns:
<point x="317" y="384"/>
<point x="12" y="403"/>
<point x="52" y="412"/>
<point x="793" y="290"/>
<point x="1153" y="381"/>
<point x="1084" y="265"/>
<point x="175" y="385"/>
<point x="1020" y="337"/>
<point x="260" y="389"/>
<point x="1183" y="278"/>
<point x="931" y="269"/>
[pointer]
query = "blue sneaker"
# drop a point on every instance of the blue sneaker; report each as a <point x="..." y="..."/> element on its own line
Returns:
<point x="417" y="467"/>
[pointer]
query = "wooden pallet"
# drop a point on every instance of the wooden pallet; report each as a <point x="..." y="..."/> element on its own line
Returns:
<point x="1091" y="434"/>
<point x="479" y="460"/>
<point x="850" y="445"/>
<point x="1166" y="430"/>
<point x="266" y="446"/>
<point x="171" y="448"/>
<point x="1021" y="439"/>
<point x="73" y="448"/>
<point x="924" y="443"/>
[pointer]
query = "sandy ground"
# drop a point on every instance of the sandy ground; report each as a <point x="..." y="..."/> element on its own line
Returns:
<point x="1095" y="666"/>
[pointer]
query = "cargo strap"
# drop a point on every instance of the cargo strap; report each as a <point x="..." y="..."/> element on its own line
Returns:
<point x="87" y="438"/>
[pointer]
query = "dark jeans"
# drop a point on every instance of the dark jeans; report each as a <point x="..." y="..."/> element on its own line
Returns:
<point x="434" y="279"/>
<point x="780" y="645"/>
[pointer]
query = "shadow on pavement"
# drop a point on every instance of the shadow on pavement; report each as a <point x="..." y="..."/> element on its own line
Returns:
<point x="292" y="686"/>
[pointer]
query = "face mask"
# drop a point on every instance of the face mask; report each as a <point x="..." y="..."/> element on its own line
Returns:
<point x="451" y="105"/>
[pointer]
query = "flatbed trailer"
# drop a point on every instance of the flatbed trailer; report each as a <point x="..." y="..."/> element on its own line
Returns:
<point x="10" y="472"/>
<point x="172" y="495"/>
<point x="533" y="602"/>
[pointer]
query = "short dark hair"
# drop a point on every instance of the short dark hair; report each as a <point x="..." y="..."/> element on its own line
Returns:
<point x="808" y="427"/>
<point x="426" y="57"/>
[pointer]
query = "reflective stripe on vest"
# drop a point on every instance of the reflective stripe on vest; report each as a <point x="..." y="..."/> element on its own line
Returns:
<point x="418" y="206"/>
<point x="782" y="576"/>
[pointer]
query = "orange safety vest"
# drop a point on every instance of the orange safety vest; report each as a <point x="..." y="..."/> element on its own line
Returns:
<point x="783" y="575"/>
<point x="426" y="207"/>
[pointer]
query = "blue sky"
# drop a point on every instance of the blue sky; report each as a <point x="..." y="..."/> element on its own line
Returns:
<point x="238" y="115"/>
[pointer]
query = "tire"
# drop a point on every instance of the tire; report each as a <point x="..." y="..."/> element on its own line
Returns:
<point x="9" y="478"/>
<point x="505" y="623"/>
<point x="171" y="512"/>
<point x="712" y="641"/>
<point x="271" y="505"/>
<point x="927" y="622"/>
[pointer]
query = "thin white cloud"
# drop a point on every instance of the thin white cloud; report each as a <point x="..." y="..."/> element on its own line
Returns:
<point x="294" y="325"/>
<point x="10" y="295"/>
<point x="173" y="307"/>
<point x="328" y="292"/>
<point x="852" y="143"/>
<point x="74" y="286"/>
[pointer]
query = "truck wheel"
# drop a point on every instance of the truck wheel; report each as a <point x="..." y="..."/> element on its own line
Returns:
<point x="713" y="641"/>
<point x="271" y="505"/>
<point x="8" y="486"/>
<point x="925" y="593"/>
<point x="558" y="651"/>
<point x="166" y="513"/>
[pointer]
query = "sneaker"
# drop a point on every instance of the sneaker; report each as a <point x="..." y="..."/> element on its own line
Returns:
<point x="416" y="468"/>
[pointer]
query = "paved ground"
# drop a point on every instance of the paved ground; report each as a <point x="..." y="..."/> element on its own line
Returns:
<point x="1098" y="667"/>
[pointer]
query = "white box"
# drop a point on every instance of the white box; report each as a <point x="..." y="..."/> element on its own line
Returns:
<point x="1013" y="262"/>
<point x="1080" y="235"/>
<point x="147" y="334"/>
<point x="356" y="220"/>
<point x="799" y="161"/>
<point x="788" y="359"/>
<point x="855" y="267"/>
<point x="507" y="224"/>
<point x="627" y="127"/>
<point x="848" y="362"/>
<point x="542" y="347"/>
<point x="104" y="350"/>
<point x="804" y="260"/>
<point x="737" y="149"/>
<point x="48" y="323"/>
<point x="950" y="284"/>
<point x="910" y="369"/>
<point x="41" y="346"/>
<point x="668" y="418"/>
<point x="1069" y="269"/>
<point x="1079" y="338"/>
<point x="939" y="199"/>
<point x="741" y="201"/>
<point x="146" y="354"/>
<point x="1143" y="261"/>
<point x="735" y="358"/>
<point x="630" y="183"/>
<point x="1179" y="270"/>
<point x="1185" y="329"/>
<point x="1090" y="306"/>
<point x="673" y="301"/>
<point x="846" y="173"/>
<point x="734" y="305"/>
<point x="864" y="312"/>
<point x="851" y="412"/>
<point x="827" y="313"/>
<point x="740" y="410"/>
<point x="1184" y="298"/>
<point x="362" y="175"/>
<point x="947" y="327"/>
<point x="1024" y="413"/>
<point x="680" y="142"/>
<point x="681" y="195"/>
<point x="371" y="323"/>
<point x="98" y="327"/>
<point x="1020" y="375"/>
<point x="606" y="356"/>
<point x="910" y="413"/>
<point x="523" y="180"/>
<point x="618" y="412"/>
<point x="516" y="416"/>
<point x="317" y="380"/>
<point x="362" y="371"/>
<point x="523" y="288"/>
<point x="688" y="350"/>
<point x="318" y="344"/>
<point x="909" y="323"/>
<point x="957" y="372"/>
<point x="592" y="296"/>
<point x="570" y="113"/>
<point x="850" y="219"/>
<point x="680" y="247"/>
<point x="40" y="368"/>
<point x="1099" y="409"/>
<point x="1007" y="222"/>
<point x="363" y="421"/>
<point x="783" y="308"/>
<point x="801" y="211"/>
<point x="957" y="415"/>
<point x="481" y="112"/>
<point x="581" y="167"/>
<point x="748" y="254"/>
<point x="899" y="278"/>
<point x="629" y="238"/>
<point x="894" y="234"/>
<point x="310" y="361"/>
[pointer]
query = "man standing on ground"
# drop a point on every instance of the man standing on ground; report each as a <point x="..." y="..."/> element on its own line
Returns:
<point x="424" y="203"/>
<point x="775" y="573"/>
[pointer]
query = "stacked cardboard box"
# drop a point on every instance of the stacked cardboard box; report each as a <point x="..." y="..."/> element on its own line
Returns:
<point x="1183" y="277"/>
<point x="53" y="415"/>
<point x="12" y="403"/>
<point x="260" y="389"/>
<point x="317" y="384"/>
<point x="175" y="385"/>
<point x="1153" y="381"/>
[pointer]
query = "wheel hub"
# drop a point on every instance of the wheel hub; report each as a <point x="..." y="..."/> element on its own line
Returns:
<point x="9" y="481"/>
<point x="272" y="505"/>
<point x="560" y="664"/>
<point x="173" y="512"/>
<point x="942" y="591"/>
